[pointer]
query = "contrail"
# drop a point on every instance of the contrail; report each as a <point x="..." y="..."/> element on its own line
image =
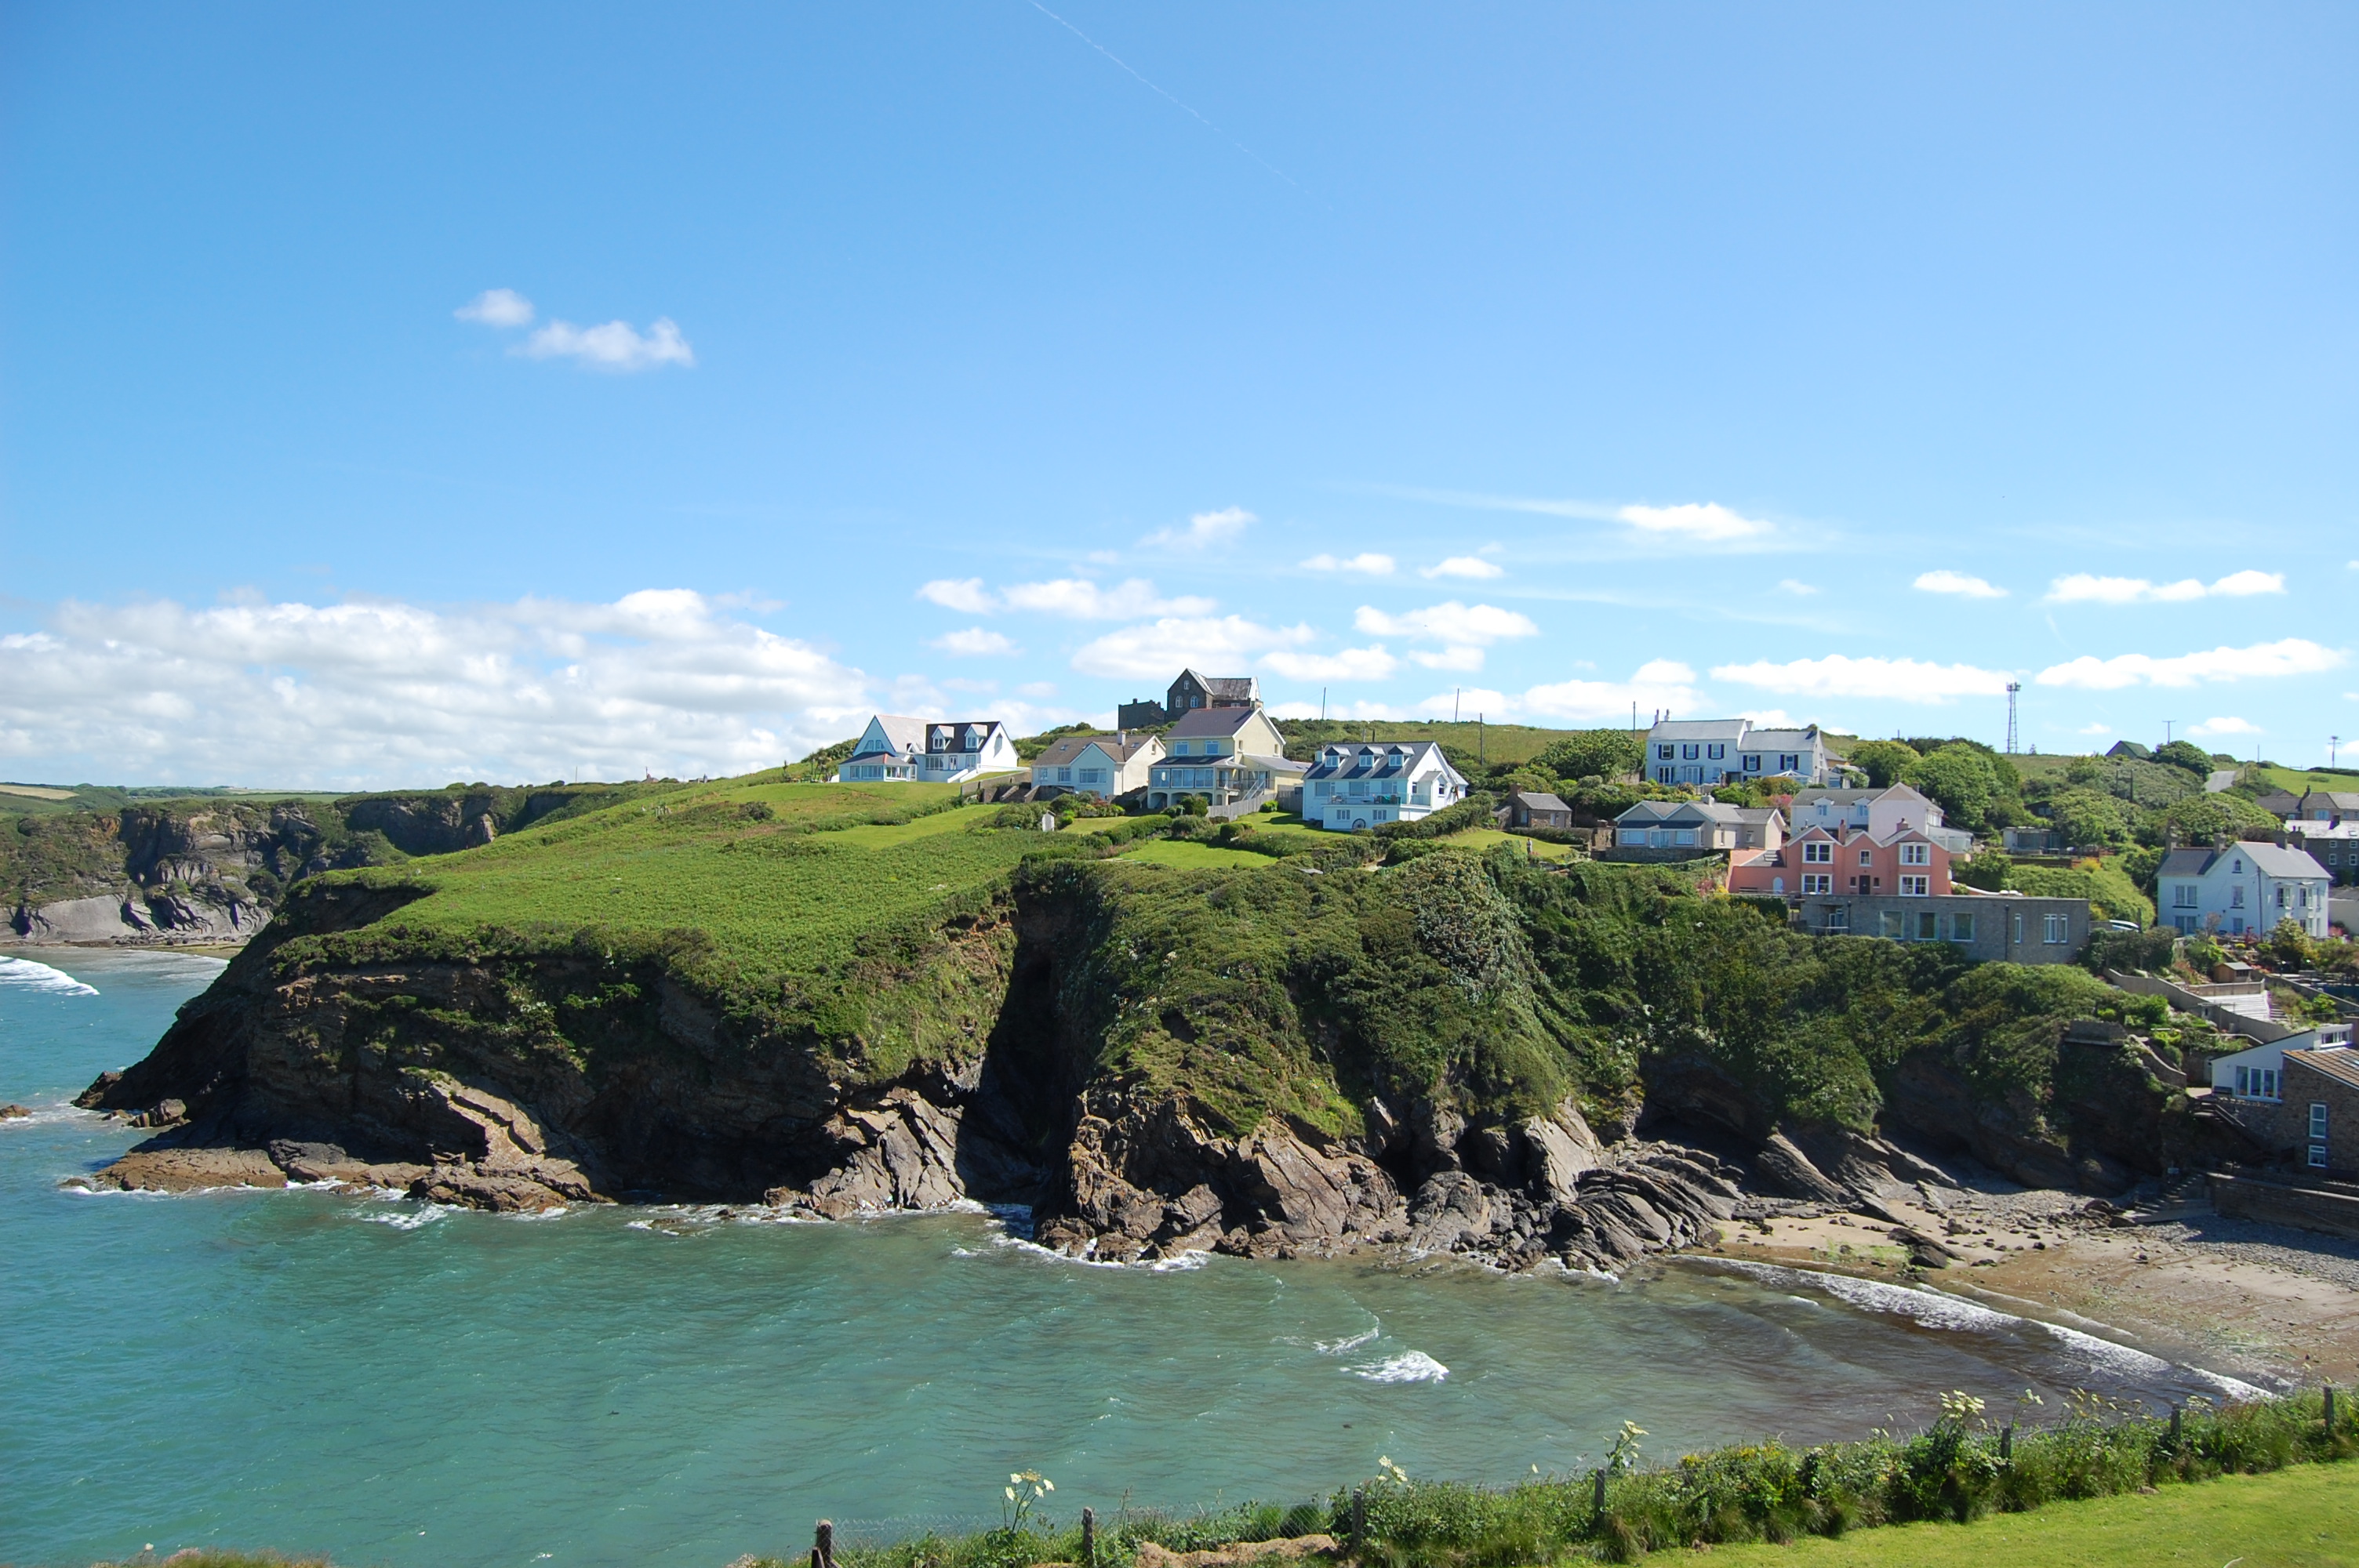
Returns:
<point x="1144" y="82"/>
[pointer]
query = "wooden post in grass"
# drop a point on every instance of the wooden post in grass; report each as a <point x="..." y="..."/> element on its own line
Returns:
<point x="2328" y="1391"/>
<point x="1359" y="1519"/>
<point x="1601" y="1494"/>
<point x="2007" y="1444"/>
<point x="1089" y="1537"/>
<point x="823" y="1545"/>
<point x="2174" y="1429"/>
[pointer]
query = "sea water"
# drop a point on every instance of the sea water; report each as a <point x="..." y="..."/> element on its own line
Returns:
<point x="390" y="1382"/>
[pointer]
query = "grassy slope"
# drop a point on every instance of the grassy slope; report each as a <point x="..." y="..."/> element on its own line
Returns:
<point x="1493" y="742"/>
<point x="2301" y="1518"/>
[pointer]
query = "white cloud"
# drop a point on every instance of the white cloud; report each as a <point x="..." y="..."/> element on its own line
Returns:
<point x="1082" y="600"/>
<point x="960" y="593"/>
<point x="1204" y="529"/>
<point x="497" y="307"/>
<point x="1798" y="589"/>
<point x="1660" y="683"/>
<point x="1448" y="621"/>
<point x="1351" y="664"/>
<point x="2082" y="587"/>
<point x="1459" y="658"/>
<point x="616" y="346"/>
<point x="2096" y="730"/>
<point x="1695" y="520"/>
<point x="381" y="693"/>
<point x="1837" y="675"/>
<point x="2226" y="727"/>
<point x="2288" y="656"/>
<point x="974" y="642"/>
<point x="1368" y="563"/>
<point x="1472" y="567"/>
<point x="1947" y="581"/>
<point x="1038" y="689"/>
<point x="1152" y="651"/>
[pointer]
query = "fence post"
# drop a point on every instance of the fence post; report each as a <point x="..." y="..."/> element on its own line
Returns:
<point x="2007" y="1444"/>
<point x="2330" y="1409"/>
<point x="2174" y="1429"/>
<point x="1601" y="1494"/>
<point x="823" y="1545"/>
<point x="1359" y="1519"/>
<point x="1089" y="1537"/>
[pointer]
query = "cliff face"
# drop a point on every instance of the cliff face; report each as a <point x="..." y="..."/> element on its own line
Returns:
<point x="1436" y="1054"/>
<point x="213" y="872"/>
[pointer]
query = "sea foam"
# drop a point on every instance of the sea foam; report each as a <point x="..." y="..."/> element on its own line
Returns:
<point x="1409" y="1366"/>
<point x="26" y="974"/>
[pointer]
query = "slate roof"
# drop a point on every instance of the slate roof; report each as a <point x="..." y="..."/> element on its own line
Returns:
<point x="2274" y="859"/>
<point x="1065" y="748"/>
<point x="1375" y="760"/>
<point x="1649" y="813"/>
<point x="2341" y="1063"/>
<point x="1211" y="723"/>
<point x="1238" y="689"/>
<point x="948" y="734"/>
<point x="1538" y="800"/>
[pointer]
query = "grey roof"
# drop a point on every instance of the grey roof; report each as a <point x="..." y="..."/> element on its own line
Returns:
<point x="2275" y="860"/>
<point x="2341" y="801"/>
<point x="1065" y="748"/>
<point x="1273" y="764"/>
<point x="1538" y="800"/>
<point x="1212" y="722"/>
<point x="941" y="733"/>
<point x="1698" y="729"/>
<point x="1647" y="812"/>
<point x="904" y="733"/>
<point x="1376" y="759"/>
<point x="1245" y="686"/>
<point x="1759" y="814"/>
<point x="2336" y="1063"/>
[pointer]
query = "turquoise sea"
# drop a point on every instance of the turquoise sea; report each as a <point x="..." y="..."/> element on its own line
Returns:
<point x="396" y="1384"/>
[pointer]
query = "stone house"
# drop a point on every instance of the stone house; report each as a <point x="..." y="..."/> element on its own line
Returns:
<point x="1367" y="783"/>
<point x="1188" y="693"/>
<point x="1537" y="809"/>
<point x="2334" y="845"/>
<point x="1103" y="766"/>
<point x="2297" y="1096"/>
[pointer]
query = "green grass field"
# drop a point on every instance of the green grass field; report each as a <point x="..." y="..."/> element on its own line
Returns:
<point x="1486" y="839"/>
<point x="1194" y="857"/>
<point x="2307" y="1517"/>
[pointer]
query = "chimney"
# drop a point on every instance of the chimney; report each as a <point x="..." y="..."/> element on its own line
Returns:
<point x="2281" y="838"/>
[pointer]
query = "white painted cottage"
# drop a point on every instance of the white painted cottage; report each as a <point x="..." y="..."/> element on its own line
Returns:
<point x="896" y="750"/>
<point x="1364" y="784"/>
<point x="2238" y="887"/>
<point x="2258" y="1072"/>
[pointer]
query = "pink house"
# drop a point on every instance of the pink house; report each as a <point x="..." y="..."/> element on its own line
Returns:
<point x="1844" y="859"/>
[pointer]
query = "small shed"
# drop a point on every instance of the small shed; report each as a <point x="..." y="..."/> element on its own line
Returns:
<point x="1537" y="809"/>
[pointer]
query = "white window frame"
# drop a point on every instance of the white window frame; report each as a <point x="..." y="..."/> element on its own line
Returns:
<point x="1917" y="887"/>
<point x="1819" y="852"/>
<point x="1817" y="882"/>
<point x="1916" y="854"/>
<point x="2055" y="929"/>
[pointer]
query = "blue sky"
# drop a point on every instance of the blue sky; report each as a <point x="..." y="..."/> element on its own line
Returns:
<point x="993" y="360"/>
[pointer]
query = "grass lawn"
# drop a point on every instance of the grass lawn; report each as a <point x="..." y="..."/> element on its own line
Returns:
<point x="2305" y="1516"/>
<point x="1194" y="857"/>
<point x="1485" y="838"/>
<point x="2298" y="779"/>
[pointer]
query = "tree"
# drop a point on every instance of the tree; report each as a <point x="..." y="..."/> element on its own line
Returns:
<point x="1593" y="753"/>
<point x="2088" y="818"/>
<point x="1959" y="779"/>
<point x="1884" y="761"/>
<point x="2199" y="818"/>
<point x="2185" y="755"/>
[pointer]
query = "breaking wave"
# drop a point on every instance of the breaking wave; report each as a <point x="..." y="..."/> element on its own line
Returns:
<point x="1409" y="1366"/>
<point x="26" y="974"/>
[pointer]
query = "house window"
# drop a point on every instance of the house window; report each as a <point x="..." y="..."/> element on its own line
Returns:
<point x="1868" y="856"/>
<point x="1777" y="884"/>
<point x="1817" y="881"/>
<point x="2282" y="892"/>
<point x="2183" y="896"/>
<point x="1064" y="775"/>
<point x="1683" y="837"/>
<point x="2317" y="1156"/>
<point x="1180" y="748"/>
<point x="1916" y="854"/>
<point x="2236" y="897"/>
<point x="1928" y="926"/>
<point x="2317" y="1121"/>
<point x="1962" y="928"/>
<point x="1819" y="853"/>
<point x="1788" y="761"/>
<point x="1715" y="751"/>
<point x="1915" y="887"/>
<point x="1664" y="752"/>
<point x="2238" y="868"/>
<point x="1751" y="762"/>
<point x="1093" y="775"/>
<point x="2054" y="929"/>
<point x="1687" y="754"/>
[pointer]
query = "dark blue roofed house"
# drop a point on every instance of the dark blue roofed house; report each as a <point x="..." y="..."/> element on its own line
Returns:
<point x="1365" y="783"/>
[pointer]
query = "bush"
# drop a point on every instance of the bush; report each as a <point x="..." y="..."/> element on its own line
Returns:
<point x="1884" y="761"/>
<point x="1477" y="810"/>
<point x="1593" y="753"/>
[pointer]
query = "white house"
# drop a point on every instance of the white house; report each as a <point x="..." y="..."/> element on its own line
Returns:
<point x="1704" y="825"/>
<point x="2259" y="1073"/>
<point x="2240" y="888"/>
<point x="895" y="750"/>
<point x="1099" y="765"/>
<point x="887" y="751"/>
<point x="1225" y="755"/>
<point x="1364" y="784"/>
<point x="1716" y="751"/>
<point x="1883" y="812"/>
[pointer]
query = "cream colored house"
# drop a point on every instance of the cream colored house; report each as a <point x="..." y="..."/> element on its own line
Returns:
<point x="1099" y="765"/>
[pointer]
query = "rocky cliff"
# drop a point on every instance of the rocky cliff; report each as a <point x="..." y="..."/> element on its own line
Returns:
<point x="1445" y="1055"/>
